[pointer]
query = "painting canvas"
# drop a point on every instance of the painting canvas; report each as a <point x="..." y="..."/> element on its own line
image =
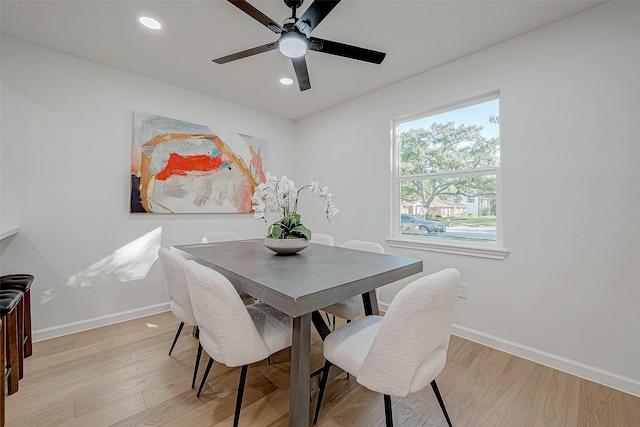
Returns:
<point x="182" y="167"/>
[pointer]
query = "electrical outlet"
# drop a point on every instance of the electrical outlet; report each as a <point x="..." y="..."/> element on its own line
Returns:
<point x="463" y="291"/>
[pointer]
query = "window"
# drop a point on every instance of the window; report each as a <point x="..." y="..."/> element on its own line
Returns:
<point x="446" y="176"/>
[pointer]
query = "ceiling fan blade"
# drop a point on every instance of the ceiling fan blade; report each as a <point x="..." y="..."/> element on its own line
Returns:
<point x="302" y="74"/>
<point x="346" y="50"/>
<point x="257" y="15"/>
<point x="314" y="14"/>
<point x="245" y="53"/>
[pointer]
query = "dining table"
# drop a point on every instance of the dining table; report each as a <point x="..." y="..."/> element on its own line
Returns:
<point x="299" y="285"/>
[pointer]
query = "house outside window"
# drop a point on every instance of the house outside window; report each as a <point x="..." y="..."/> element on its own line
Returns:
<point x="446" y="175"/>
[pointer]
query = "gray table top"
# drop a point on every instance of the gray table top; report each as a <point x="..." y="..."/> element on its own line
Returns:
<point x="316" y="277"/>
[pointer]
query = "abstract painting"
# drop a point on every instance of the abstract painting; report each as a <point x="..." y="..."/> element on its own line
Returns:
<point x="182" y="167"/>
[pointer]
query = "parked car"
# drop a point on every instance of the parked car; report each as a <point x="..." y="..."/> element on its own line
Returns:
<point x="413" y="223"/>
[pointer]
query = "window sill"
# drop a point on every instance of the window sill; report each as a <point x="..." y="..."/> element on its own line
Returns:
<point x="449" y="248"/>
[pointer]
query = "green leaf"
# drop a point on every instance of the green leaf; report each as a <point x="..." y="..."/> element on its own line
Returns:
<point x="275" y="231"/>
<point x="301" y="229"/>
<point x="291" y="220"/>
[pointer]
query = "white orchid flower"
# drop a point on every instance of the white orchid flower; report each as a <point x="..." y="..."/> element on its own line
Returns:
<point x="280" y="195"/>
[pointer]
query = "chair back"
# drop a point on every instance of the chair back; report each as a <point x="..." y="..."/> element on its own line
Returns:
<point x="364" y="245"/>
<point x="410" y="348"/>
<point x="220" y="236"/>
<point x="173" y="269"/>
<point x="227" y="331"/>
<point x="322" y="239"/>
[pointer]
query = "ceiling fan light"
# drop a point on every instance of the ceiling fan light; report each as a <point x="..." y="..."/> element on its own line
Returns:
<point x="292" y="45"/>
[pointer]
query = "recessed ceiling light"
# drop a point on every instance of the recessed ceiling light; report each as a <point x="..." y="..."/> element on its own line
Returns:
<point x="150" y="23"/>
<point x="286" y="81"/>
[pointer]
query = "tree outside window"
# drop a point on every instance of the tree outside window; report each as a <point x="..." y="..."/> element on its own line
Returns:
<point x="448" y="166"/>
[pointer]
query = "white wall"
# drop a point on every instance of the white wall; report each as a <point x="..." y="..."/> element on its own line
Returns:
<point x="568" y="293"/>
<point x="65" y="179"/>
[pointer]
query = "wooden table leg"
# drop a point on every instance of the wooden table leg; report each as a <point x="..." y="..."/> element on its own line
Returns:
<point x="299" y="381"/>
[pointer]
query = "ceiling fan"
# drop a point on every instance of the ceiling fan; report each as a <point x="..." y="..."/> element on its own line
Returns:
<point x="295" y="39"/>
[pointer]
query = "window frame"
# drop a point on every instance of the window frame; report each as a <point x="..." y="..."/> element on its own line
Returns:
<point x="475" y="249"/>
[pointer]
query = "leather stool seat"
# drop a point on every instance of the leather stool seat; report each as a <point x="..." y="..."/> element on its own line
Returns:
<point x="9" y="301"/>
<point x="22" y="282"/>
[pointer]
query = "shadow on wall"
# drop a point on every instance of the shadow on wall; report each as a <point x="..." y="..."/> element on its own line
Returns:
<point x="129" y="262"/>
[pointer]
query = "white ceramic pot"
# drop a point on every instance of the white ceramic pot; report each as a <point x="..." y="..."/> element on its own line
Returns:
<point x="286" y="246"/>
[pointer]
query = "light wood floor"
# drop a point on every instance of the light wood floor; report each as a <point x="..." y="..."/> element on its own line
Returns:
<point x="121" y="375"/>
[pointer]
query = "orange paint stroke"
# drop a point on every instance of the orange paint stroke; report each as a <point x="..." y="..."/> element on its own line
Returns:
<point x="181" y="165"/>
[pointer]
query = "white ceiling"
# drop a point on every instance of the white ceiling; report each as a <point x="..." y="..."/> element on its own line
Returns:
<point x="416" y="35"/>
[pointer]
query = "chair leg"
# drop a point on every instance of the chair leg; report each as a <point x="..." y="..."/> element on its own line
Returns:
<point x="21" y="337"/>
<point x="11" y="350"/>
<point x="175" y="340"/>
<point x="195" y="368"/>
<point x="28" y="348"/>
<point x="388" y="414"/>
<point x="243" y="380"/>
<point x="434" y="386"/>
<point x="206" y="374"/>
<point x="323" y="386"/>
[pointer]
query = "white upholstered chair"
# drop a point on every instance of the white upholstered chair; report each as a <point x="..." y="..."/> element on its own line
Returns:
<point x="352" y="307"/>
<point x="403" y="351"/>
<point x="220" y="236"/>
<point x="226" y="236"/>
<point x="322" y="239"/>
<point x="174" y="276"/>
<point x="230" y="332"/>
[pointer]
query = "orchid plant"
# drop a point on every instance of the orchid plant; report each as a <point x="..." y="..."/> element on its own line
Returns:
<point x="281" y="196"/>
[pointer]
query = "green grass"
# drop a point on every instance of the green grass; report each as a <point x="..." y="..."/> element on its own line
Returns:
<point x="469" y="221"/>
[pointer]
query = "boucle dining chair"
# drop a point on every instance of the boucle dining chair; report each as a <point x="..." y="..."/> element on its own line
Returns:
<point x="352" y="307"/>
<point x="220" y="236"/>
<point x="227" y="236"/>
<point x="403" y="351"/>
<point x="174" y="276"/>
<point x="230" y="332"/>
<point x="322" y="239"/>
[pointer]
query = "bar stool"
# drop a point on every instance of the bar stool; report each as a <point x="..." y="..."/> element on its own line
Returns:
<point x="22" y="283"/>
<point x="9" y="300"/>
<point x="2" y="382"/>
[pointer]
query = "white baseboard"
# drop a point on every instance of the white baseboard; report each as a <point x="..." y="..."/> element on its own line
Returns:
<point x="591" y="373"/>
<point x="96" y="322"/>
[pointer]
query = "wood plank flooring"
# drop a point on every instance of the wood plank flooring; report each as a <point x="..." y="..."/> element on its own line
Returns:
<point x="121" y="375"/>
